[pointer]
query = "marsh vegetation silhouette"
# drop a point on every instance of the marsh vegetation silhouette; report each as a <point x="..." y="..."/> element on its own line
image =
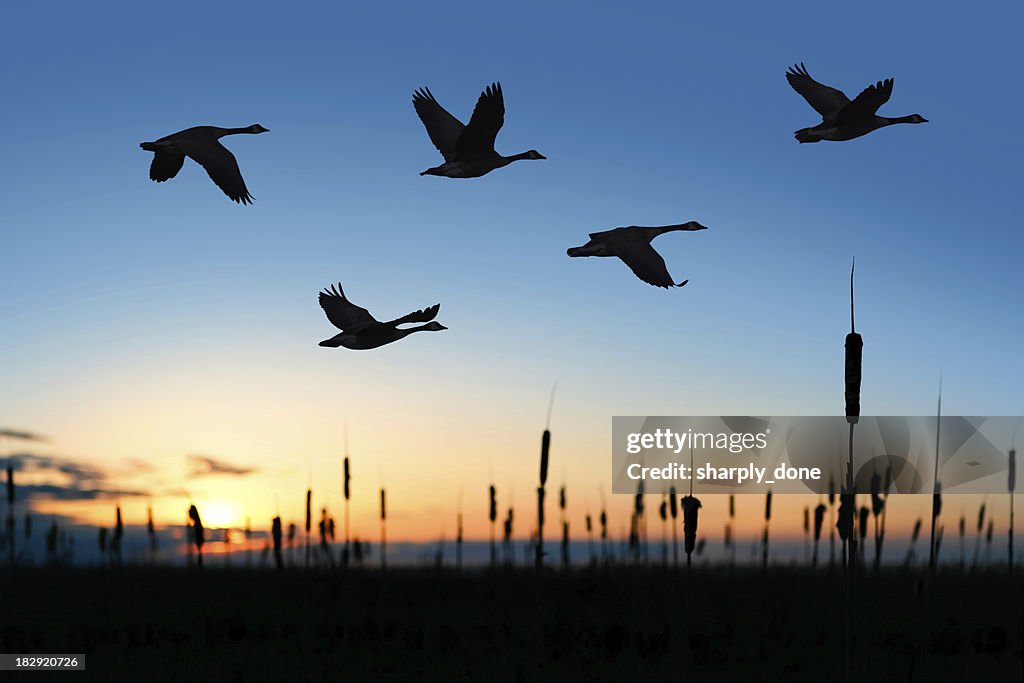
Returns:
<point x="468" y="150"/>
<point x="361" y="331"/>
<point x="841" y="118"/>
<point x="202" y="145"/>
<point x="632" y="245"/>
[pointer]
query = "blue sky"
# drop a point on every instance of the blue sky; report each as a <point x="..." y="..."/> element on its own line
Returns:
<point x="121" y="296"/>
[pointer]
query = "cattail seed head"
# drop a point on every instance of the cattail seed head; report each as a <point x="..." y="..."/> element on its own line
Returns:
<point x="877" y="502"/>
<point x="937" y="500"/>
<point x="588" y="524"/>
<point x="545" y="447"/>
<point x="917" y="530"/>
<point x="963" y="525"/>
<point x="672" y="505"/>
<point x="864" y="513"/>
<point x="493" y="510"/>
<point x="732" y="506"/>
<point x="149" y="521"/>
<point x="347" y="479"/>
<point x="981" y="518"/>
<point x="819" y="519"/>
<point x="847" y="513"/>
<point x="384" y="508"/>
<point x="691" y="507"/>
<point x="988" y="532"/>
<point x="1012" y="477"/>
<point x="561" y="499"/>
<point x="309" y="501"/>
<point x="768" y="506"/>
<point x="831" y="490"/>
<point x="10" y="483"/>
<point x="807" y="520"/>
<point x="604" y="524"/>
<point x="663" y="510"/>
<point x="197" y="527"/>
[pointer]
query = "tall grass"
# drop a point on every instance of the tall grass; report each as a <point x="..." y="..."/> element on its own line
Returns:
<point x="565" y="527"/>
<point x="309" y="521"/>
<point x="913" y="542"/>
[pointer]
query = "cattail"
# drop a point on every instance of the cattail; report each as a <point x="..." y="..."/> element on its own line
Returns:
<point x="545" y="447"/>
<point x="764" y="536"/>
<point x="151" y="529"/>
<point x="565" y="545"/>
<point x="691" y="508"/>
<point x="604" y="534"/>
<point x="913" y="541"/>
<point x="309" y="521"/>
<point x="197" y="531"/>
<point x="807" y="533"/>
<point x="963" y="531"/>
<point x="275" y="532"/>
<point x="493" y="516"/>
<point x="988" y="540"/>
<point x="10" y="486"/>
<point x="854" y="357"/>
<point x="831" y="520"/>
<point x="590" y="538"/>
<point x="673" y="510"/>
<point x="1012" y="484"/>
<point x="865" y="512"/>
<point x="977" y="533"/>
<point x="819" y="519"/>
<point x="507" y="538"/>
<point x="458" y="541"/>
<point x="118" y="533"/>
<point x="10" y="510"/>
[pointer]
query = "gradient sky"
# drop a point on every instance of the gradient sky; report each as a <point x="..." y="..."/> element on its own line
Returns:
<point x="145" y="322"/>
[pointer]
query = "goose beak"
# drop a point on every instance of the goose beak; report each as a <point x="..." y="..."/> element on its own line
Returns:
<point x="442" y="326"/>
<point x="573" y="251"/>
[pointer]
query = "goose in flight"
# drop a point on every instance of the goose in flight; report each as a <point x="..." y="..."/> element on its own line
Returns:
<point x="633" y="246"/>
<point x="202" y="145"/>
<point x="842" y="119"/>
<point x="468" y="151"/>
<point x="361" y="331"/>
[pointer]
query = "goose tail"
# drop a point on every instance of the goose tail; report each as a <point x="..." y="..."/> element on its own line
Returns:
<point x="148" y="146"/>
<point x="804" y="135"/>
<point x="683" y="283"/>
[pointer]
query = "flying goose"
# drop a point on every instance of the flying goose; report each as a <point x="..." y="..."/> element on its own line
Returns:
<point x="361" y="331"/>
<point x="201" y="143"/>
<point x="468" y="151"/>
<point x="633" y="246"/>
<point x="842" y="119"/>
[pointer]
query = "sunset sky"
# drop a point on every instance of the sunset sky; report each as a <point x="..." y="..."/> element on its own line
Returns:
<point x="143" y="324"/>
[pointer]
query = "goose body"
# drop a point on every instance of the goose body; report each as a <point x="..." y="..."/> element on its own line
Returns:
<point x="202" y="145"/>
<point x="842" y="118"/>
<point x="468" y="150"/>
<point x="361" y="331"/>
<point x="632" y="245"/>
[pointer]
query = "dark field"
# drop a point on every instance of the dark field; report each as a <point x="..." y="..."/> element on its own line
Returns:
<point x="140" y="624"/>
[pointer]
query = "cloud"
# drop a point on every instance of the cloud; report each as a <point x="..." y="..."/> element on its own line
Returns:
<point x="80" y="473"/>
<point x="202" y="465"/>
<point x="22" y="435"/>
<point x="54" y="492"/>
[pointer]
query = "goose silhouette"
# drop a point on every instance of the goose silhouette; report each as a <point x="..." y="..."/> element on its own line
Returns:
<point x="632" y="245"/>
<point x="202" y="145"/>
<point x="841" y="118"/>
<point x="361" y="331"/>
<point x="468" y="151"/>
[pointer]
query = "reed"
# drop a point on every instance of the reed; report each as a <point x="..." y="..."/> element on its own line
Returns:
<point x="545" y="450"/>
<point x="458" y="541"/>
<point x="507" y="539"/>
<point x="151" y="532"/>
<point x="565" y="527"/>
<point x="831" y="521"/>
<point x="862" y="528"/>
<point x="963" y="531"/>
<point x="590" y="538"/>
<point x="936" y="490"/>
<point x="730" y="542"/>
<point x="118" y="535"/>
<point x="988" y="541"/>
<point x="663" y="515"/>
<point x="640" y="541"/>
<point x="879" y="499"/>
<point x="807" y="535"/>
<point x="767" y="523"/>
<point x="604" y="535"/>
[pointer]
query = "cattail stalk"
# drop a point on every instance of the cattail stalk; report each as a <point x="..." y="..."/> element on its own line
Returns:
<point x="913" y="541"/>
<point x="346" y="486"/>
<point x="275" y="532"/>
<point x="673" y="508"/>
<point x="807" y="535"/>
<point x="936" y="491"/>
<point x="819" y="519"/>
<point x="383" y="530"/>
<point x="767" y="521"/>
<point x="309" y="521"/>
<point x="493" y="516"/>
<point x="978" y="533"/>
<point x="691" y="508"/>
<point x="545" y="448"/>
<point x="1012" y="484"/>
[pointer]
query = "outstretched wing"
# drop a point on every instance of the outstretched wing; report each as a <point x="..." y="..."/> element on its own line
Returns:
<point x="488" y="117"/>
<point x="342" y="313"/>
<point x="646" y="264"/>
<point x="422" y="316"/>
<point x="165" y="165"/>
<point x="825" y="100"/>
<point x="221" y="166"/>
<point x="443" y="128"/>
<point x="867" y="102"/>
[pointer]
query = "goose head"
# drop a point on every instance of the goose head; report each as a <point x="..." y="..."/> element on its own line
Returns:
<point x="694" y="225"/>
<point x="916" y="118"/>
<point x="257" y="128"/>
<point x="433" y="327"/>
<point x="533" y="154"/>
